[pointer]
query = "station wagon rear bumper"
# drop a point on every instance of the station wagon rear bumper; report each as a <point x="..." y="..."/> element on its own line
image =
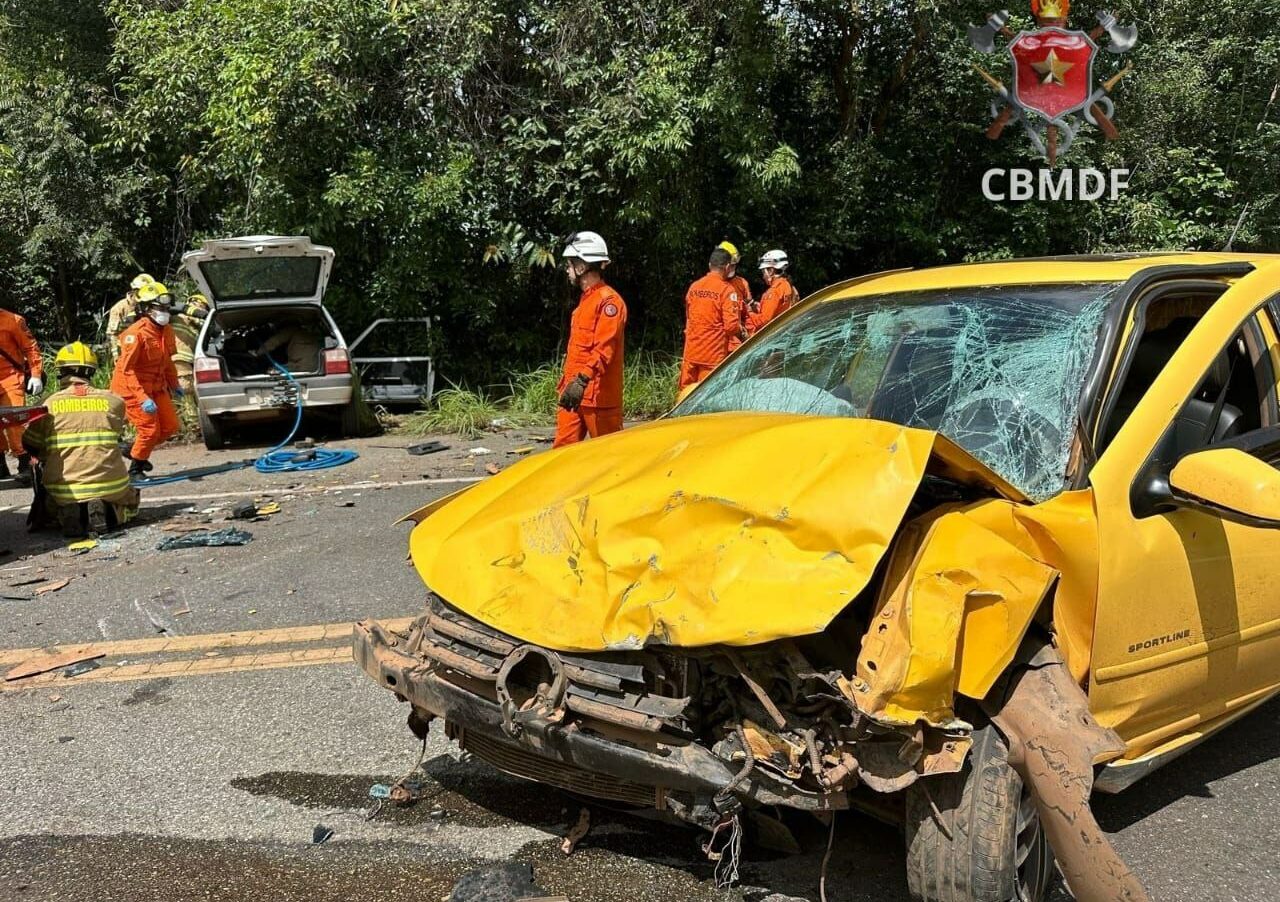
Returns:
<point x="252" y="398"/>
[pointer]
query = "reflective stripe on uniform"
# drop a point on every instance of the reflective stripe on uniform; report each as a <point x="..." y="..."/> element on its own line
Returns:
<point x="85" y="491"/>
<point x="82" y="439"/>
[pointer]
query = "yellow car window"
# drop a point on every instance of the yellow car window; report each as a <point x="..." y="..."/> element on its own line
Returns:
<point x="998" y="370"/>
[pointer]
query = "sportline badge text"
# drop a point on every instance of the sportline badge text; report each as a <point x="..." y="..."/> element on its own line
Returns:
<point x="1053" y="184"/>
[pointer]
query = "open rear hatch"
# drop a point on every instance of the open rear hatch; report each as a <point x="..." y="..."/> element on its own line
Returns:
<point x="260" y="269"/>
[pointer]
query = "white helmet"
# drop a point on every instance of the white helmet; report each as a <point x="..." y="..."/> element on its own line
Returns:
<point x="588" y="247"/>
<point x="775" y="260"/>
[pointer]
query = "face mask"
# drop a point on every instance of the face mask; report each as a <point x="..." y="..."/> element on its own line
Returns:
<point x="160" y="317"/>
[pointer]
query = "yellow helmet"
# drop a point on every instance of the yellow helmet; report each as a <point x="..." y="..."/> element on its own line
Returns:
<point x="140" y="280"/>
<point x="731" y="250"/>
<point x="197" y="305"/>
<point x="153" y="292"/>
<point x="76" y="354"/>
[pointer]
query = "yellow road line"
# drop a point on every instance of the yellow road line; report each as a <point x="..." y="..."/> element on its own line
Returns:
<point x="204" y="642"/>
<point x="275" y="490"/>
<point x="125" y="673"/>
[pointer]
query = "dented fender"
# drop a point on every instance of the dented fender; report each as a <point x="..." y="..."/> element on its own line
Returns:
<point x="956" y="605"/>
<point x="1054" y="743"/>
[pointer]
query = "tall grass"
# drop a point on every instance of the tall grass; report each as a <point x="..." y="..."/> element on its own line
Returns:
<point x="649" y="386"/>
<point x="454" y="410"/>
<point x="530" y="399"/>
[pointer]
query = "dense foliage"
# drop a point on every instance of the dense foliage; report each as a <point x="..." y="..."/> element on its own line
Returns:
<point x="443" y="147"/>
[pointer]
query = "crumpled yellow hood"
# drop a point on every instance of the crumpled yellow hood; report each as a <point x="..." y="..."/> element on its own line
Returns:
<point x="731" y="528"/>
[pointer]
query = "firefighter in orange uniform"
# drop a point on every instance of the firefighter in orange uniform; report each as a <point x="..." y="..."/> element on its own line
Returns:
<point x="745" y="300"/>
<point x="591" y="387"/>
<point x="779" y="294"/>
<point x="713" y="318"/>
<point x="145" y="376"/>
<point x="21" y="374"/>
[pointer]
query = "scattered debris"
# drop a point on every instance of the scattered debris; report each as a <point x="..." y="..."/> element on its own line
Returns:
<point x="244" y="510"/>
<point x="54" y="699"/>
<point x="82" y="667"/>
<point x="423" y="448"/>
<point x="480" y="449"/>
<point x="305" y="444"/>
<point x="492" y="469"/>
<point x="402" y="792"/>
<point x="268" y="509"/>
<point x="183" y="527"/>
<point x="83" y="546"/>
<point x="28" y="582"/>
<point x="510" y="880"/>
<point x="575" y="835"/>
<point x="525" y="450"/>
<point x="321" y="834"/>
<point x="345" y="504"/>
<point x="53" y="587"/>
<point x="33" y="666"/>
<point x="172" y="604"/>
<point x="162" y="624"/>
<point x="219" y="537"/>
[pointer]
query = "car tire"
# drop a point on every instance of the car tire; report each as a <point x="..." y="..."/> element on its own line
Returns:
<point x="349" y="420"/>
<point x="212" y="432"/>
<point x="989" y="846"/>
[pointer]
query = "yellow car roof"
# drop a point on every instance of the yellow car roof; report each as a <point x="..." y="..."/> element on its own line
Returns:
<point x="1100" y="268"/>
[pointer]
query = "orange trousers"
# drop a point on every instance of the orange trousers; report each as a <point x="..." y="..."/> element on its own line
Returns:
<point x="13" y="393"/>
<point x="153" y="429"/>
<point x="693" y="373"/>
<point x="573" y="426"/>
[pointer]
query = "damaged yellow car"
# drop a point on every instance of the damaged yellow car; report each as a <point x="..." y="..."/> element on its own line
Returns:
<point x="959" y="546"/>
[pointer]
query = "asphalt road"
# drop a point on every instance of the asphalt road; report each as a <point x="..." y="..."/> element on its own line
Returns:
<point x="187" y="768"/>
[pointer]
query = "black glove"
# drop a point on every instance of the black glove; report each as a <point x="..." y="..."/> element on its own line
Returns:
<point x="571" y="397"/>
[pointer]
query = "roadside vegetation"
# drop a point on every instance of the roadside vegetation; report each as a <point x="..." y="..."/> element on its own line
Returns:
<point x="444" y="149"/>
<point x="529" y="399"/>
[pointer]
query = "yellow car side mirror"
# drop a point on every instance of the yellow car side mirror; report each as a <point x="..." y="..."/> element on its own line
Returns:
<point x="1230" y="484"/>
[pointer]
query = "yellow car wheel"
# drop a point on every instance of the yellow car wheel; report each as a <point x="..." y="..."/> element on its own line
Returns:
<point x="989" y="846"/>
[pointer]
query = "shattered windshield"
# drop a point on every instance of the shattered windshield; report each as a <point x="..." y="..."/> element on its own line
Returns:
<point x="997" y="370"/>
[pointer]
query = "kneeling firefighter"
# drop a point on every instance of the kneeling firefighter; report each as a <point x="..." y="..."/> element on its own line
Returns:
<point x="146" y="377"/>
<point x="81" y="483"/>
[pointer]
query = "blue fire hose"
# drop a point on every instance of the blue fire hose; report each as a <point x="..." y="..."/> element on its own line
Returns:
<point x="277" y="460"/>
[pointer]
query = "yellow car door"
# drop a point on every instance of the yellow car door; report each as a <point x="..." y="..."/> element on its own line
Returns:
<point x="1187" y="632"/>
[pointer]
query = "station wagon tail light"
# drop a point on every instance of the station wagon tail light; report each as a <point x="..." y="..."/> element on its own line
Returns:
<point x="207" y="369"/>
<point x="336" y="362"/>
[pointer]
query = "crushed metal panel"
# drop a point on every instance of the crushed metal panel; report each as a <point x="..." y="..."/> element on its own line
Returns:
<point x="653" y="536"/>
<point x="951" y="622"/>
<point x="1054" y="743"/>
<point x="1062" y="533"/>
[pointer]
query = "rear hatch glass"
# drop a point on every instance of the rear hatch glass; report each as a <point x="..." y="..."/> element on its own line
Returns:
<point x="262" y="278"/>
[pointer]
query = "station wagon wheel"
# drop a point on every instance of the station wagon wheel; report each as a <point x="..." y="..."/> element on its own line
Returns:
<point x="212" y="432"/>
<point x="1034" y="858"/>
